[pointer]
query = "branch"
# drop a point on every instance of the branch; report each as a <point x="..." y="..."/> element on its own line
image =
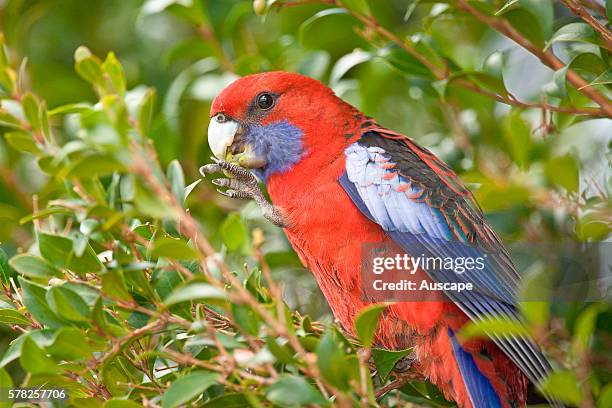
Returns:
<point x="442" y="73"/>
<point x="583" y="13"/>
<point x="547" y="57"/>
<point x="595" y="6"/>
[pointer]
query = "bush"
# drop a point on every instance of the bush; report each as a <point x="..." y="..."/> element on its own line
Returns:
<point x="127" y="281"/>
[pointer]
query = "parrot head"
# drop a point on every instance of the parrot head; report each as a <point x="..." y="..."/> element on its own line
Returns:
<point x="271" y="121"/>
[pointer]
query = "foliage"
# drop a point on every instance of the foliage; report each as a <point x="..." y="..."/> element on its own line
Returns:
<point x="128" y="281"/>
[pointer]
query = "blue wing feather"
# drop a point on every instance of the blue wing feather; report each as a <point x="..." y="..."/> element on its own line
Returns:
<point x="479" y="388"/>
<point x="404" y="210"/>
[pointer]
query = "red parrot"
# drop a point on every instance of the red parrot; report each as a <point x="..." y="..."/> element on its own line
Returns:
<point x="338" y="181"/>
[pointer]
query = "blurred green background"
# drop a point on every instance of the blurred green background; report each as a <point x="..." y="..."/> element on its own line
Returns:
<point x="538" y="179"/>
<point x="539" y="176"/>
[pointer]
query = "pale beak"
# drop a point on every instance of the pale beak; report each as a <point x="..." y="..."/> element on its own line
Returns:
<point x="225" y="138"/>
<point x="221" y="133"/>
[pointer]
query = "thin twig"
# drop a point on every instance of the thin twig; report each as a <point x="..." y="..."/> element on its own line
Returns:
<point x="546" y="57"/>
<point x="584" y="14"/>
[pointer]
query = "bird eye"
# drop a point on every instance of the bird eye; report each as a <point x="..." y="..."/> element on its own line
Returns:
<point x="265" y="101"/>
<point x="221" y="118"/>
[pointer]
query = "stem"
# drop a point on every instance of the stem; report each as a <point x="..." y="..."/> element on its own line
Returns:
<point x="547" y="57"/>
<point x="583" y="13"/>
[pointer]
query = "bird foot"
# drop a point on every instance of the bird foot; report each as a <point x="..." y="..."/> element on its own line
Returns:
<point x="242" y="184"/>
<point x="404" y="364"/>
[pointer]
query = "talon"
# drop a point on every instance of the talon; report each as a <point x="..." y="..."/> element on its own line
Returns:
<point x="220" y="182"/>
<point x="228" y="193"/>
<point x="209" y="168"/>
<point x="404" y="364"/>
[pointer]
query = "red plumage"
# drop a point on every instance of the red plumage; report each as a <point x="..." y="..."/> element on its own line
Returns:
<point x="327" y="231"/>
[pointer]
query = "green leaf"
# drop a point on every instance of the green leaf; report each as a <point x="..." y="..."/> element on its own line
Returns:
<point x="3" y="55"/>
<point x="34" y="299"/>
<point x="405" y="63"/>
<point x="114" y="70"/>
<point x="234" y="232"/>
<point x="579" y="32"/>
<point x="6" y="381"/>
<point x="291" y="391"/>
<point x="360" y="6"/>
<point x="22" y="142"/>
<point x="195" y="291"/>
<point x="492" y="326"/>
<point x="543" y="11"/>
<point x="177" y="180"/>
<point x="281" y="351"/>
<point x="188" y="388"/>
<point x="517" y="135"/>
<point x="34" y="360"/>
<point x="385" y="360"/>
<point x="331" y="359"/>
<point x="5" y="270"/>
<point x="12" y="316"/>
<point x="89" y="67"/>
<point x="8" y="120"/>
<point x="246" y="318"/>
<point x="99" y="320"/>
<point x="564" y="386"/>
<point x="70" y="108"/>
<point x="609" y="9"/>
<point x="556" y="87"/>
<point x="366" y="323"/>
<point x="190" y="187"/>
<point x="67" y="304"/>
<point x="69" y="343"/>
<point x="526" y="22"/>
<point x="59" y="251"/>
<point x="94" y="165"/>
<point x="605" y="397"/>
<point x="145" y="112"/>
<point x="585" y="327"/>
<point x="31" y="110"/>
<point x="228" y="400"/>
<point x="494" y="64"/>
<point x="346" y="63"/>
<point x="113" y="284"/>
<point x="483" y="80"/>
<point x="563" y="171"/>
<point x="33" y="266"/>
<point x="173" y="248"/>
<point x="150" y="204"/>
<point x="121" y="403"/>
<point x="308" y="24"/>
<point x="535" y="294"/>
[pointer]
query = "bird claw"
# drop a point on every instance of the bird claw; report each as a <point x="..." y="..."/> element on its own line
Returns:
<point x="242" y="184"/>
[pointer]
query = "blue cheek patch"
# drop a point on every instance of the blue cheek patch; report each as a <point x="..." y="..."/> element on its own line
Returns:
<point x="281" y="144"/>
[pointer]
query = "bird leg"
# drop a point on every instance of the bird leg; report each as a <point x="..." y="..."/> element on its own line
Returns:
<point x="242" y="184"/>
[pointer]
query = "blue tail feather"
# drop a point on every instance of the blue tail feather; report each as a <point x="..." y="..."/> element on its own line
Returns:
<point x="479" y="388"/>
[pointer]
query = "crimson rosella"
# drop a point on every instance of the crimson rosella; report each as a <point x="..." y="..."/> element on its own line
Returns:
<point x="338" y="180"/>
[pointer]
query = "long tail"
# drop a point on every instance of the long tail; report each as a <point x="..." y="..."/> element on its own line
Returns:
<point x="479" y="388"/>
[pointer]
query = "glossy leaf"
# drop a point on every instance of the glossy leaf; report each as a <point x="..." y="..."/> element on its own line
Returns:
<point x="289" y="390"/>
<point x="11" y="316"/>
<point x="234" y="232"/>
<point x="173" y="249"/>
<point x="34" y="360"/>
<point x="579" y="32"/>
<point x="34" y="298"/>
<point x="565" y="386"/>
<point x="195" y="291"/>
<point x="367" y="322"/>
<point x="33" y="266"/>
<point x="187" y="388"/>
